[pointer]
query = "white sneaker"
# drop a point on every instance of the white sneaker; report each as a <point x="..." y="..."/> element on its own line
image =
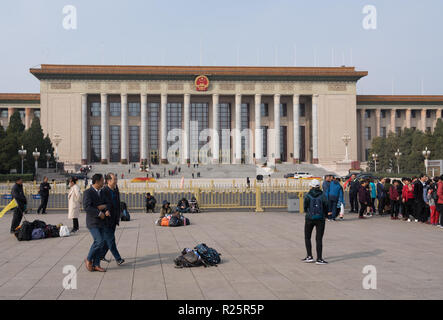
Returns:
<point x="409" y="220"/>
<point x="440" y="227"/>
<point x="416" y="220"/>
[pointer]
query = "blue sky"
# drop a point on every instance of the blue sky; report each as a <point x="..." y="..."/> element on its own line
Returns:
<point x="404" y="51"/>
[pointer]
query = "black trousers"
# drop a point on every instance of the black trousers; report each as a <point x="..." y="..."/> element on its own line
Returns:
<point x="440" y="211"/>
<point x="319" y="232"/>
<point x="395" y="208"/>
<point x="381" y="205"/>
<point x="354" y="201"/>
<point x="16" y="218"/>
<point x="409" y="209"/>
<point x="419" y="210"/>
<point x="75" y="223"/>
<point x="363" y="208"/>
<point x="43" y="204"/>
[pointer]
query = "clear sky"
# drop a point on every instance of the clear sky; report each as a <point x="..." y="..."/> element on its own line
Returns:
<point x="403" y="53"/>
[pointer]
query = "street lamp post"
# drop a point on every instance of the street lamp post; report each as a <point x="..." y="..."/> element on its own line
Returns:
<point x="397" y="156"/>
<point x="346" y="139"/>
<point x="22" y="153"/>
<point x="48" y="157"/>
<point x="375" y="156"/>
<point x="36" y="155"/>
<point x="426" y="154"/>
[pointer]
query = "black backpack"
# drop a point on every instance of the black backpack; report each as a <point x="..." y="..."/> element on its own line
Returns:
<point x="38" y="224"/>
<point x="175" y="222"/>
<point x="51" y="231"/>
<point x="24" y="232"/>
<point x="187" y="259"/>
<point x="315" y="211"/>
<point x="209" y="256"/>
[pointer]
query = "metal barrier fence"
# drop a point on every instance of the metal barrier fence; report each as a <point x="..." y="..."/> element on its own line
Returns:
<point x="257" y="197"/>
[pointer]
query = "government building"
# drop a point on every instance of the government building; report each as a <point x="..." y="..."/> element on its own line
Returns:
<point x="226" y="115"/>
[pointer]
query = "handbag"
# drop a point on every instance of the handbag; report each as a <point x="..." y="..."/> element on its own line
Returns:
<point x="64" y="231"/>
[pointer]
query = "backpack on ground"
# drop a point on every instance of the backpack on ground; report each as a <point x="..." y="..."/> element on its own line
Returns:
<point x="51" y="231"/>
<point x="165" y="222"/>
<point x="38" y="233"/>
<point x="315" y="211"/>
<point x="185" y="221"/>
<point x="189" y="258"/>
<point x="38" y="224"/>
<point x="24" y="232"/>
<point x="209" y="256"/>
<point x="175" y="222"/>
<point x="124" y="216"/>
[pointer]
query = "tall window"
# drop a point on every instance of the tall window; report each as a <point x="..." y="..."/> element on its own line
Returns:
<point x="428" y="113"/>
<point x="383" y="132"/>
<point x="134" y="143"/>
<point x="245" y="125"/>
<point x="368" y="135"/>
<point x="37" y="113"/>
<point x="95" y="109"/>
<point x="264" y="110"/>
<point x="302" y="110"/>
<point x="383" y="114"/>
<point x="114" y="132"/>
<point x="22" y="113"/>
<point x="413" y="113"/>
<point x="134" y="109"/>
<point x="225" y="124"/>
<point x="283" y="110"/>
<point x="265" y="140"/>
<point x="95" y="143"/>
<point x="153" y="126"/>
<point x="3" y="113"/>
<point x="368" y="114"/>
<point x="199" y="115"/>
<point x="174" y="116"/>
<point x="283" y="143"/>
<point x="114" y="109"/>
<point x="398" y="113"/>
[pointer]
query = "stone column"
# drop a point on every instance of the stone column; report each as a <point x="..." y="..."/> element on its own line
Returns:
<point x="408" y="118"/>
<point x="393" y="114"/>
<point x="237" y="130"/>
<point x="277" y="128"/>
<point x="362" y="133"/>
<point x="186" y="124"/>
<point x="315" y="128"/>
<point x="423" y="120"/>
<point x="84" y="128"/>
<point x="28" y="118"/>
<point x="258" y="130"/>
<point x="144" y="127"/>
<point x="124" y="139"/>
<point x="296" y="125"/>
<point x="10" y="113"/>
<point x="104" y="128"/>
<point x="215" y="128"/>
<point x="164" y="128"/>
<point x="377" y="122"/>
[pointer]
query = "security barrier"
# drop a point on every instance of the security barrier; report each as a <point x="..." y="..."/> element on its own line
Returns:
<point x="258" y="196"/>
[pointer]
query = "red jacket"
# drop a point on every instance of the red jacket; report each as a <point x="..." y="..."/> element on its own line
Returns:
<point x="440" y="192"/>
<point x="406" y="194"/>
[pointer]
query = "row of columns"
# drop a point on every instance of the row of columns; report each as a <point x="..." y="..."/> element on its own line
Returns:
<point x="28" y="117"/>
<point x="186" y="128"/>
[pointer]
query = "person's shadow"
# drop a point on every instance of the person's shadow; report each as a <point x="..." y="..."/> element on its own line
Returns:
<point x="356" y="255"/>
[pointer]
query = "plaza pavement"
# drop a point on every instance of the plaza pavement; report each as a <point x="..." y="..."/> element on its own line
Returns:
<point x="261" y="255"/>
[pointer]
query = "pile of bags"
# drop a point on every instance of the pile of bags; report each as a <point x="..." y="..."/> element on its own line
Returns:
<point x="172" y="221"/>
<point x="201" y="255"/>
<point x="39" y="230"/>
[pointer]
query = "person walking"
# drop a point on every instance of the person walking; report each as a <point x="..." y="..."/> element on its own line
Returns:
<point x="44" y="194"/>
<point x="112" y="218"/>
<point x="440" y="201"/>
<point x="334" y="194"/>
<point x="408" y="199"/>
<point x="19" y="196"/>
<point x="74" y="203"/>
<point x="354" y="186"/>
<point x="95" y="206"/>
<point x="364" y="198"/>
<point x="316" y="207"/>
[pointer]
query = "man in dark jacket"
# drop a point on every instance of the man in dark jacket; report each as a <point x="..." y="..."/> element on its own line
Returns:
<point x="316" y="207"/>
<point x="150" y="203"/>
<point x="354" y="185"/>
<point x="419" y="202"/>
<point x="44" y="194"/>
<point x="19" y="196"/>
<point x="112" y="219"/>
<point x="364" y="197"/>
<point x="381" y="195"/>
<point x="95" y="207"/>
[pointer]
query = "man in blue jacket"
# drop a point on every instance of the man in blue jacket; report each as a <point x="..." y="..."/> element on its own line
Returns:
<point x="334" y="194"/>
<point x="94" y="204"/>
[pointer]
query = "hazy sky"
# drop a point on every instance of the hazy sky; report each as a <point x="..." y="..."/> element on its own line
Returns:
<point x="406" y="48"/>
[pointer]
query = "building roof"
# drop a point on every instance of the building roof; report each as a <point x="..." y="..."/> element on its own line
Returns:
<point x="399" y="99"/>
<point x="51" y="71"/>
<point x="19" y="97"/>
